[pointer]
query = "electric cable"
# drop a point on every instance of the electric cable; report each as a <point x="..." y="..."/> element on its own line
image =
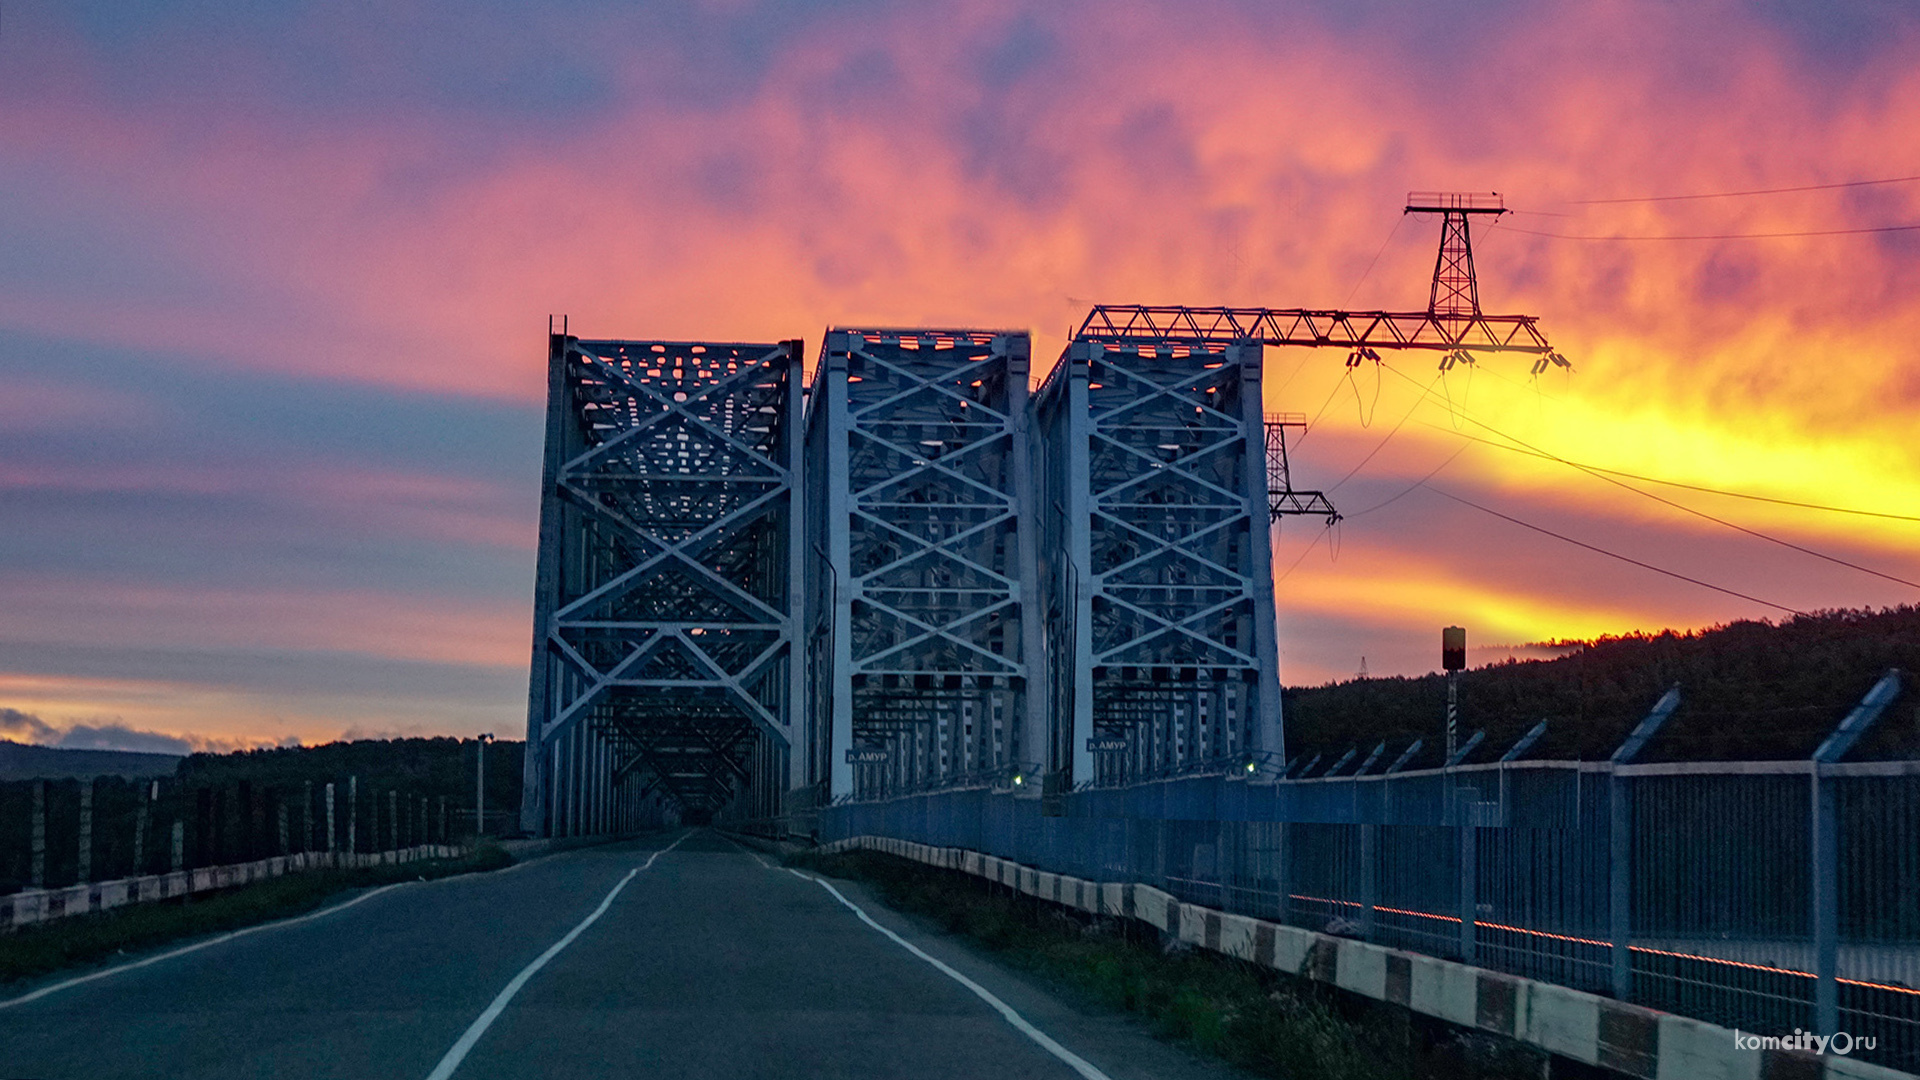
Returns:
<point x="1724" y="236"/>
<point x="1391" y="233"/>
<point x="1733" y="194"/>
<point x="1311" y="424"/>
<point x="1381" y="445"/>
<point x="1304" y="552"/>
<point x="1410" y="488"/>
<point x="1610" y="554"/>
<point x="1681" y="506"/>
<point x="1679" y="484"/>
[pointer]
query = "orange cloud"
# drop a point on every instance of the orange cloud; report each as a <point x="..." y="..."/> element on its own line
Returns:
<point x="1154" y="154"/>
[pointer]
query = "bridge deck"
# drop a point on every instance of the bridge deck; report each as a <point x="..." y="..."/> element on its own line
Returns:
<point x="708" y="964"/>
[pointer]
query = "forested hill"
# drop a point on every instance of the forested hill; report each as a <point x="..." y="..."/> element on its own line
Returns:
<point x="1750" y="691"/>
<point x="438" y="766"/>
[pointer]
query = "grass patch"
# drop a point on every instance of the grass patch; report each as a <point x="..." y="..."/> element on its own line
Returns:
<point x="1265" y="1022"/>
<point x="37" y="950"/>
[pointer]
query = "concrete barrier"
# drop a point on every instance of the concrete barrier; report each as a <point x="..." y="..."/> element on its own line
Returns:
<point x="44" y="905"/>
<point x="1585" y="1027"/>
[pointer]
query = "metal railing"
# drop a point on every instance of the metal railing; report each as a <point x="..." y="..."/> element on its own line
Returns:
<point x="1764" y="895"/>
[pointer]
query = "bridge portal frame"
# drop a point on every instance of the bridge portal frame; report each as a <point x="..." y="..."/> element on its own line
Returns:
<point x="664" y="606"/>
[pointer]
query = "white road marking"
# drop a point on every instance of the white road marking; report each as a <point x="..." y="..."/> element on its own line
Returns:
<point x="196" y="947"/>
<point x="1073" y="1061"/>
<point x="479" y="1027"/>
<point x="749" y="851"/>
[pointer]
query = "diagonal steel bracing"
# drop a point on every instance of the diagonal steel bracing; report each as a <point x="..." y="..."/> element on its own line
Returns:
<point x="665" y="607"/>
<point x="1154" y="563"/>
<point x="919" y="560"/>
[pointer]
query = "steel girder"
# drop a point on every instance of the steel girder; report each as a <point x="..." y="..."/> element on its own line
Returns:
<point x="1154" y="559"/>
<point x="664" y="611"/>
<point x="920" y="621"/>
<point x="1218" y="326"/>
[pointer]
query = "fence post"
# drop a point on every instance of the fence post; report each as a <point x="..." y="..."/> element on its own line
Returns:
<point x="1825" y="874"/>
<point x="179" y="845"/>
<point x="39" y="834"/>
<point x="1369" y="878"/>
<point x="284" y="825"/>
<point x="306" y="817"/>
<point x="353" y="815"/>
<point x="86" y="832"/>
<point x="333" y="843"/>
<point x="1619" y="883"/>
<point x="140" y="814"/>
<point x="1823" y="808"/>
<point x="393" y="819"/>
<point x="1464" y="814"/>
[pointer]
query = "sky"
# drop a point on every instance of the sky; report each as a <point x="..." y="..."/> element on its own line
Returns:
<point x="275" y="280"/>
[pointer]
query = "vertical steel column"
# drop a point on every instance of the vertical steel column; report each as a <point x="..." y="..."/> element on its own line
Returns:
<point x="1268" y="736"/>
<point x="1078" y="533"/>
<point x="799" y="733"/>
<point x="830" y="388"/>
<point x="546" y="594"/>
<point x="1029" y="491"/>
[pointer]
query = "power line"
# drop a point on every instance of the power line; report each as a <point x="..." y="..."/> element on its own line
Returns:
<point x="1381" y="445"/>
<point x="1676" y="483"/>
<point x="1397" y="222"/>
<point x="1410" y="488"/>
<point x="1687" y="509"/>
<point x="1611" y="554"/>
<point x="1724" y="236"/>
<point x="1733" y="194"/>
<point x="1308" y="550"/>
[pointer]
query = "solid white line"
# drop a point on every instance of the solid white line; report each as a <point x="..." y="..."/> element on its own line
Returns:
<point x="479" y="1027"/>
<point x="229" y="936"/>
<point x="1074" y="1061"/>
<point x="747" y="850"/>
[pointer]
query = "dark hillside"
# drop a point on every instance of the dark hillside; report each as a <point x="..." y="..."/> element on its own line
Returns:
<point x="432" y="767"/>
<point x="21" y="761"/>
<point x="1750" y="691"/>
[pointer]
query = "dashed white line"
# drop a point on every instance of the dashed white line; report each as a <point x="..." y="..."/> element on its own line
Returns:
<point x="1072" y="1060"/>
<point x="479" y="1027"/>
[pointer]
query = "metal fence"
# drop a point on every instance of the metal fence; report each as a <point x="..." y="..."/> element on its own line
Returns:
<point x="1766" y="896"/>
<point x="59" y="833"/>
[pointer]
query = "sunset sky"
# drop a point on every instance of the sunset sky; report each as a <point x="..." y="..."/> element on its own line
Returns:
<point x="275" y="279"/>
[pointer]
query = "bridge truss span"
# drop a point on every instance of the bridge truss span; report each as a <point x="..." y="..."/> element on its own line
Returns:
<point x="919" y="560"/>
<point x="1154" y="560"/>
<point x="664" y="611"/>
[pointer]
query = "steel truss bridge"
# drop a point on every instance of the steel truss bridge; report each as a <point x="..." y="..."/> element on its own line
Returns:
<point x="915" y="573"/>
<point x="764" y="595"/>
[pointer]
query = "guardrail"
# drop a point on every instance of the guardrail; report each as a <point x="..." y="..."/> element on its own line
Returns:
<point x="1767" y="896"/>
<point x="45" y="905"/>
<point x="1585" y="1027"/>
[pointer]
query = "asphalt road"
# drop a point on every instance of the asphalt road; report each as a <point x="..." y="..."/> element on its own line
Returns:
<point x="708" y="963"/>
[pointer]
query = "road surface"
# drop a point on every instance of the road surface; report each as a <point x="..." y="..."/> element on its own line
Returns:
<point x="709" y="962"/>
